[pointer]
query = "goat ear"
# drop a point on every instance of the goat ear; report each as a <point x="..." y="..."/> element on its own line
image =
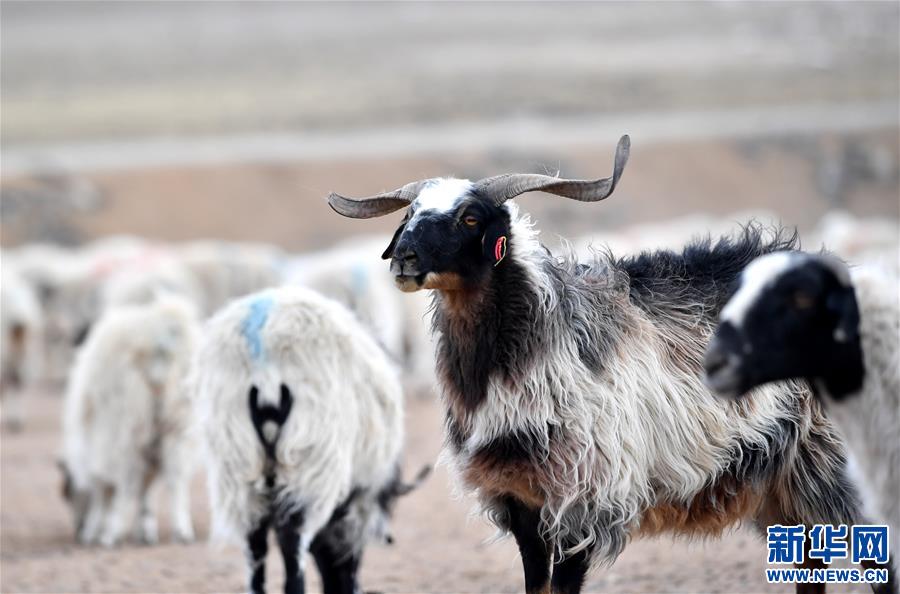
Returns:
<point x="389" y="252"/>
<point x="844" y="307"/>
<point x="495" y="242"/>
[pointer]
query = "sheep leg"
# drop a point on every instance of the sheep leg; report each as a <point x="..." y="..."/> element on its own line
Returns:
<point x="147" y="530"/>
<point x="524" y="523"/>
<point x="180" y="501"/>
<point x="338" y="567"/>
<point x="287" y="530"/>
<point x="569" y="573"/>
<point x="121" y="514"/>
<point x="11" y="413"/>
<point x="98" y="504"/>
<point x="257" y="547"/>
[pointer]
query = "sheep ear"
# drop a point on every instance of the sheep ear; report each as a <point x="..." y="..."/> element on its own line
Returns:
<point x="407" y="488"/>
<point x="495" y="242"/>
<point x="81" y="335"/>
<point x="389" y="251"/>
<point x="843" y="305"/>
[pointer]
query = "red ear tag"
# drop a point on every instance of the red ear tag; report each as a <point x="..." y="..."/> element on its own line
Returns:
<point x="499" y="249"/>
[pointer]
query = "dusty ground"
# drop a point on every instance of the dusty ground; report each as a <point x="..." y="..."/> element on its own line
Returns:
<point x="439" y="547"/>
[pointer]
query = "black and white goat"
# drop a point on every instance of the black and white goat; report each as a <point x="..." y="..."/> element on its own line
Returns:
<point x="575" y="406"/>
<point x="302" y="414"/>
<point x="807" y="316"/>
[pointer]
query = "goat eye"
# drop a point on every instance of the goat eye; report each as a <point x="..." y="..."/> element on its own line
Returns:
<point x="470" y="221"/>
<point x="802" y="300"/>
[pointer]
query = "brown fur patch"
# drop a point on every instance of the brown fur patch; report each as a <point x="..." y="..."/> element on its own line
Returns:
<point x="499" y="479"/>
<point x="708" y="514"/>
<point x="445" y="281"/>
<point x="462" y="304"/>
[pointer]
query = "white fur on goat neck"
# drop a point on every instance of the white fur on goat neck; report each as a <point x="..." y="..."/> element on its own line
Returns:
<point x="440" y="194"/>
<point x="758" y="275"/>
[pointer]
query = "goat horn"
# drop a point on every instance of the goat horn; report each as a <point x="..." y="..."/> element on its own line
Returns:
<point x="375" y="206"/>
<point x="503" y="187"/>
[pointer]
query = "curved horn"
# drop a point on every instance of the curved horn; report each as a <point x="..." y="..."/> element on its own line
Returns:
<point x="375" y="206"/>
<point x="503" y="187"/>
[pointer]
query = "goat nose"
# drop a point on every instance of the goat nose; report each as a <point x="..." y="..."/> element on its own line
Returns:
<point x="715" y="358"/>
<point x="405" y="261"/>
<point x="405" y="254"/>
<point x="722" y="370"/>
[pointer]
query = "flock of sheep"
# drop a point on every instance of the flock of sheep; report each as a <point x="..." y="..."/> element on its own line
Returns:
<point x="577" y="407"/>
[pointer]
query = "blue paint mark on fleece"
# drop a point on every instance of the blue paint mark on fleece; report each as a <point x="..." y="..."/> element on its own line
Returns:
<point x="253" y="324"/>
<point x="360" y="278"/>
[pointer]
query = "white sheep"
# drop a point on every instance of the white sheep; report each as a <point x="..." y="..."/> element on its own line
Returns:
<point x="352" y="274"/>
<point x="70" y="284"/>
<point x="302" y="416"/>
<point x="47" y="268"/>
<point x="859" y="240"/>
<point x="135" y="286"/>
<point x="807" y="316"/>
<point x="21" y="327"/>
<point x="127" y="421"/>
<point x="224" y="270"/>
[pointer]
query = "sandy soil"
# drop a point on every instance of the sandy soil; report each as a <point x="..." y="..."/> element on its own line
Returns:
<point x="439" y="546"/>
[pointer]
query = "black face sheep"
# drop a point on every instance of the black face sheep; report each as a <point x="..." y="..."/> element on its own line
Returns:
<point x="302" y="416"/>
<point x="574" y="402"/>
<point x="127" y="422"/>
<point x="807" y="316"/>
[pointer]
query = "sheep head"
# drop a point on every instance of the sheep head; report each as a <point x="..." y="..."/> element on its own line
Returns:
<point x="794" y="315"/>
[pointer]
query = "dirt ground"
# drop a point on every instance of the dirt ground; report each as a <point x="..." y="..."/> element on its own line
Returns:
<point x="439" y="546"/>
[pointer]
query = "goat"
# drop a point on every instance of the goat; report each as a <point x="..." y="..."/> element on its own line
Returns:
<point x="808" y="316"/>
<point x="574" y="404"/>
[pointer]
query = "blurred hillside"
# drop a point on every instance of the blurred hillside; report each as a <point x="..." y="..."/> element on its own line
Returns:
<point x="235" y="119"/>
